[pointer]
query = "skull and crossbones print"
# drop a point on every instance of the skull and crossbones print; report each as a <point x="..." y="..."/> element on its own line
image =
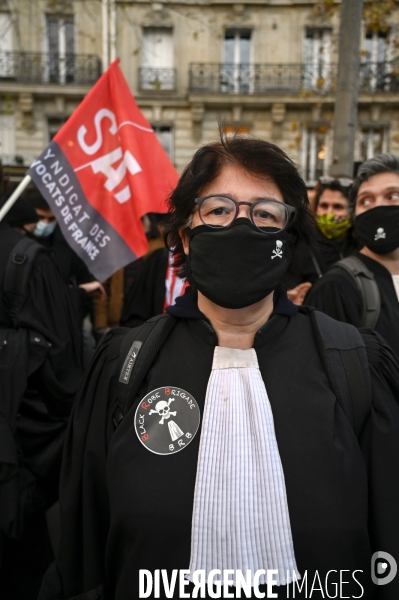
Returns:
<point x="162" y="408"/>
<point x="155" y="409"/>
<point x="278" y="251"/>
<point x="380" y="235"/>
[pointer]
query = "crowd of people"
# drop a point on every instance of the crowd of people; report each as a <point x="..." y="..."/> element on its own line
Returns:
<point x="232" y="346"/>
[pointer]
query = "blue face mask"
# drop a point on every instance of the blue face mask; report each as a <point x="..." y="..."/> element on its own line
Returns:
<point x="44" y="229"/>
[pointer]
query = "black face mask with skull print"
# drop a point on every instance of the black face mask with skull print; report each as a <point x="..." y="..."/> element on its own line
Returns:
<point x="237" y="266"/>
<point x="378" y="229"/>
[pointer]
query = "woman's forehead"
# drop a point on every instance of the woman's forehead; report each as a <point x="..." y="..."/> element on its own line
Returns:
<point x="333" y="196"/>
<point x="234" y="180"/>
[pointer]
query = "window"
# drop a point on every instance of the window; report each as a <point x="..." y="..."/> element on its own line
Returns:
<point x="374" y="69"/>
<point x="164" y="134"/>
<point x="61" y="49"/>
<point x="240" y="130"/>
<point x="7" y="138"/>
<point x="317" y="58"/>
<point x="54" y="125"/>
<point x="157" y="64"/>
<point x="372" y="141"/>
<point x="314" y="153"/>
<point x="6" y="46"/>
<point x="236" y="70"/>
<point x="375" y="47"/>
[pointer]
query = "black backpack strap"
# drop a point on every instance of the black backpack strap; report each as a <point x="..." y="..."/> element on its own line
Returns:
<point x="18" y="270"/>
<point x="138" y="351"/>
<point x="367" y="286"/>
<point x="343" y="353"/>
<point x="316" y="264"/>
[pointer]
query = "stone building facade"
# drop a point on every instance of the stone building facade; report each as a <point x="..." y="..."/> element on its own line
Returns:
<point x="262" y="67"/>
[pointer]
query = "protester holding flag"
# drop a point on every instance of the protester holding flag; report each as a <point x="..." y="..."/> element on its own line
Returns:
<point x="72" y="268"/>
<point x="103" y="171"/>
<point x="83" y="286"/>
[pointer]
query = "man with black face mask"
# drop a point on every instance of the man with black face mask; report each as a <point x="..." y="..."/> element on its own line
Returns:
<point x="375" y="201"/>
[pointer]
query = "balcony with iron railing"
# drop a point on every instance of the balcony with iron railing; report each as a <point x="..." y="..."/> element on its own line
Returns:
<point x="217" y="78"/>
<point x="45" y="68"/>
<point x="157" y="79"/>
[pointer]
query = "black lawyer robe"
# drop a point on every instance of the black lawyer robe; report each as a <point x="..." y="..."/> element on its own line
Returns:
<point x="125" y="508"/>
<point x="146" y="296"/>
<point x="338" y="296"/>
<point x="43" y="373"/>
<point x="40" y="370"/>
<point x="325" y="252"/>
<point x="49" y="310"/>
<point x="72" y="269"/>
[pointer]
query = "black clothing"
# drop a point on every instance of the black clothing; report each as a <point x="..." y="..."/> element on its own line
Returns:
<point x="47" y="310"/>
<point x="326" y="252"/>
<point x="337" y="295"/>
<point x="71" y="267"/>
<point x="24" y="561"/>
<point x="130" y="273"/>
<point x="21" y="213"/>
<point x="125" y="508"/>
<point x="146" y="296"/>
<point x="40" y="370"/>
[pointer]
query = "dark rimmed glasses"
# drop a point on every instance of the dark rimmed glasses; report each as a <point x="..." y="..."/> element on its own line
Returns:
<point x="221" y="211"/>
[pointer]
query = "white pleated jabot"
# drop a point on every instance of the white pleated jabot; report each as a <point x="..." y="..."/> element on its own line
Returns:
<point x="240" y="514"/>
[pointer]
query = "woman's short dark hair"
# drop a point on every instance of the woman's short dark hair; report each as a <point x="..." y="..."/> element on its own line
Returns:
<point x="333" y="185"/>
<point x="382" y="163"/>
<point x="256" y="156"/>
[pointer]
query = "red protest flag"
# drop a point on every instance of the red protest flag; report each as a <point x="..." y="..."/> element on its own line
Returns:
<point x="102" y="172"/>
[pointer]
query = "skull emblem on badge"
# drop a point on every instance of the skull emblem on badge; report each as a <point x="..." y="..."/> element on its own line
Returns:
<point x="155" y="410"/>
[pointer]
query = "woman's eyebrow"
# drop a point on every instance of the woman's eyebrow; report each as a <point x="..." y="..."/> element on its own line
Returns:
<point x="255" y="198"/>
<point x="252" y="200"/>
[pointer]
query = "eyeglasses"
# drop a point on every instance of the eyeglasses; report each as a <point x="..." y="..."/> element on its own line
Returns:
<point x="343" y="181"/>
<point x="221" y="211"/>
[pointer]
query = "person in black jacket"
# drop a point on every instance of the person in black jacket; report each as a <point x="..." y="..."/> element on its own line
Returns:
<point x="333" y="238"/>
<point x="156" y="284"/>
<point x="231" y="454"/>
<point x="40" y="370"/>
<point x="375" y="203"/>
<point x="72" y="268"/>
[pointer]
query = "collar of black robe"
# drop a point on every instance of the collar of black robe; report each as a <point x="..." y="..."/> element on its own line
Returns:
<point x="186" y="307"/>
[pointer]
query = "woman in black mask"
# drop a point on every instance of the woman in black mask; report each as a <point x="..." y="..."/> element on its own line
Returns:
<point x="208" y="451"/>
<point x="375" y="202"/>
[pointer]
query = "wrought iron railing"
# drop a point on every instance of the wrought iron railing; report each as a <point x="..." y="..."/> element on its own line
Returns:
<point x="287" y="78"/>
<point x="157" y="79"/>
<point x="41" y="67"/>
<point x="379" y="77"/>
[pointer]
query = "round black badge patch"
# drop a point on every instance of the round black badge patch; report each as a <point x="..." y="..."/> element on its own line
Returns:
<point x="166" y="420"/>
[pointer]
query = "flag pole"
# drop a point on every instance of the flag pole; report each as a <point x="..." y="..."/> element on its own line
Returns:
<point x="15" y="195"/>
<point x="105" y="32"/>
